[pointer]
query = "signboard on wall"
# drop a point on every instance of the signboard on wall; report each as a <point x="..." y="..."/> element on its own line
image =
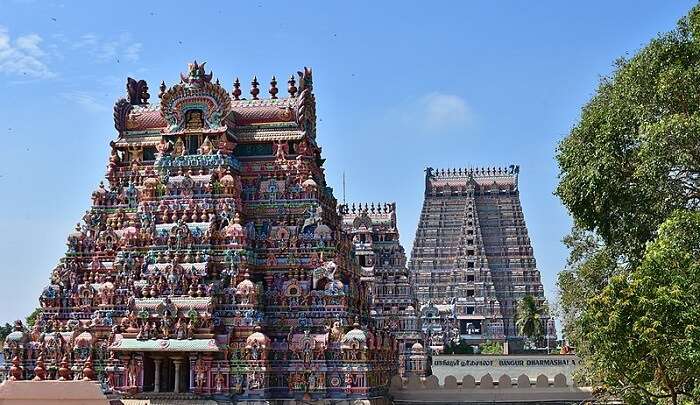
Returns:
<point x="512" y="365"/>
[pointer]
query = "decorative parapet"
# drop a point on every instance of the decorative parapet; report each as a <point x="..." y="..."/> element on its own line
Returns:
<point x="472" y="171"/>
<point x="477" y="176"/>
<point x="370" y="208"/>
<point x="487" y="390"/>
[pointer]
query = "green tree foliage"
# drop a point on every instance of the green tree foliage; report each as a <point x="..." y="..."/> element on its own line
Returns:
<point x="642" y="336"/>
<point x="8" y="328"/>
<point x="633" y="157"/>
<point x="588" y="271"/>
<point x="4" y="331"/>
<point x="630" y="176"/>
<point x="458" y="348"/>
<point x="31" y="319"/>
<point x="491" y="348"/>
<point x="528" y="318"/>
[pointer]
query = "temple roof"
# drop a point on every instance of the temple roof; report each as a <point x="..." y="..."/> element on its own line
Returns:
<point x="479" y="177"/>
<point x="368" y="215"/>
<point x="256" y="119"/>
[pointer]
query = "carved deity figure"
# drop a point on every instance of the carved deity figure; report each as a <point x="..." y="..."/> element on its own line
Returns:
<point x="307" y="347"/>
<point x="132" y="372"/>
<point x="165" y="327"/>
<point x="179" y="148"/>
<point x="162" y="147"/>
<point x="336" y="332"/>
<point x="207" y="147"/>
<point x="312" y="381"/>
<point x="200" y="373"/>
<point x="219" y="382"/>
<point x="279" y="153"/>
<point x="255" y="351"/>
<point x="180" y="330"/>
<point x="191" y="329"/>
<point x="348" y="380"/>
<point x="255" y="381"/>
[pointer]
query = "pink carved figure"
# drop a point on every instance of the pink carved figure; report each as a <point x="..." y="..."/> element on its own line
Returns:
<point x="162" y="146"/>
<point x="219" y="380"/>
<point x="200" y="370"/>
<point x="280" y="152"/>
<point x="63" y="371"/>
<point x="88" y="371"/>
<point x="132" y="372"/>
<point x="40" y="370"/>
<point x="16" y="370"/>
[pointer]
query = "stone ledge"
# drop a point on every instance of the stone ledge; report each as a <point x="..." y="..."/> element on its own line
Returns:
<point x="44" y="392"/>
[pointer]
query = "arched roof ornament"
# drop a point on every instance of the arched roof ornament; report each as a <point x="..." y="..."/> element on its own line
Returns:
<point x="195" y="92"/>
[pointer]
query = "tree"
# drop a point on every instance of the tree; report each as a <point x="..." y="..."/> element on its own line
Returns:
<point x="4" y="331"/>
<point x="8" y="328"/>
<point x="31" y="318"/>
<point x="630" y="177"/>
<point x="490" y="347"/>
<point x="632" y="159"/>
<point x="642" y="338"/>
<point x="588" y="271"/>
<point x="528" y="318"/>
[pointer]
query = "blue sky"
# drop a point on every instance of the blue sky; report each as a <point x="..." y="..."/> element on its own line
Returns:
<point x="400" y="86"/>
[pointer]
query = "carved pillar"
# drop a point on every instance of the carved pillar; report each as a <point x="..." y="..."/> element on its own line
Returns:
<point x="177" y="363"/>
<point x="156" y="377"/>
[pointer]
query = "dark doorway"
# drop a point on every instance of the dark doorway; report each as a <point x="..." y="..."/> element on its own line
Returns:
<point x="167" y="378"/>
<point x="185" y="376"/>
<point x="148" y="373"/>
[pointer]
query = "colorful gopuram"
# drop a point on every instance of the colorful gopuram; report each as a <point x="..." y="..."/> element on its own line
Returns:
<point x="472" y="260"/>
<point x="212" y="262"/>
<point x="382" y="261"/>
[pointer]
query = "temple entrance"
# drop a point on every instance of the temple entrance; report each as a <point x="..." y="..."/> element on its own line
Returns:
<point x="175" y="375"/>
<point x="164" y="374"/>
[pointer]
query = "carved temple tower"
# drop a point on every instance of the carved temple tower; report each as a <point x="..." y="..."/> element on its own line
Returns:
<point x="381" y="259"/>
<point x="472" y="260"/>
<point x="212" y="262"/>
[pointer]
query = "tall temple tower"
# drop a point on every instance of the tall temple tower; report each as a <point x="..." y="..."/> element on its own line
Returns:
<point x="472" y="260"/>
<point x="381" y="259"/>
<point x="212" y="263"/>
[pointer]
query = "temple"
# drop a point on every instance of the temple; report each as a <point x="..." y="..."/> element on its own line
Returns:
<point x="213" y="262"/>
<point x="382" y="261"/>
<point x="471" y="260"/>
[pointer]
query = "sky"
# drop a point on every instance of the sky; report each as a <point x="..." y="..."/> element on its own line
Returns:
<point x="399" y="85"/>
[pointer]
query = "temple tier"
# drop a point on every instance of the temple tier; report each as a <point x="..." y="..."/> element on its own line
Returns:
<point x="471" y="260"/>
<point x="382" y="261"/>
<point x="213" y="261"/>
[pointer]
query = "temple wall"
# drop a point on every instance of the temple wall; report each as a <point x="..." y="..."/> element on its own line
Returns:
<point x="485" y="389"/>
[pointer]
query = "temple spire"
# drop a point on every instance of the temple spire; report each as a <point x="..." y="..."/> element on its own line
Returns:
<point x="292" y="88"/>
<point x="254" y="91"/>
<point x="162" y="89"/>
<point x="236" y="89"/>
<point x="273" y="88"/>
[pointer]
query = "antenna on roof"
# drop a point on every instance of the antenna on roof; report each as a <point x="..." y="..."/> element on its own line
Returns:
<point x="343" y="187"/>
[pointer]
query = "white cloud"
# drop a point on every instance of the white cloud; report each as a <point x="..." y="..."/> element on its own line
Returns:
<point x="106" y="49"/>
<point x="85" y="100"/>
<point x="434" y="112"/>
<point x="131" y="53"/>
<point x="444" y="111"/>
<point x="23" y="56"/>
